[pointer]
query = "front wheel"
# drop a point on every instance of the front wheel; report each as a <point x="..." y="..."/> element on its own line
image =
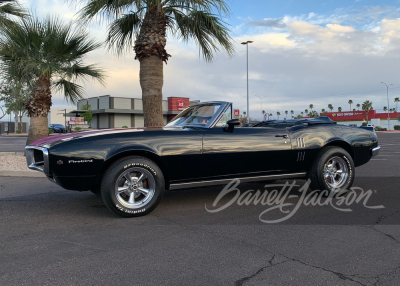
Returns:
<point x="332" y="170"/>
<point x="132" y="187"/>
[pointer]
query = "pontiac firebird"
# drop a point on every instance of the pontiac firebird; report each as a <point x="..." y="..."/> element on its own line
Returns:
<point x="202" y="146"/>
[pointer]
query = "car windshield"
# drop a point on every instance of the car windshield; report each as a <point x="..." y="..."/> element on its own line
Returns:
<point x="198" y="115"/>
<point x="58" y="125"/>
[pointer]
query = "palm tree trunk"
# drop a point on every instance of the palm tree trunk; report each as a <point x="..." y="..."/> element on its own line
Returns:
<point x="38" y="107"/>
<point x="151" y="81"/>
<point x="150" y="51"/>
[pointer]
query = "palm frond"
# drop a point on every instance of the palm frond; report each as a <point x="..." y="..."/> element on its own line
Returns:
<point x="207" y="30"/>
<point x="12" y="8"/>
<point x="199" y="5"/>
<point x="85" y="73"/>
<point x="72" y="91"/>
<point x="122" y="31"/>
<point x="104" y="9"/>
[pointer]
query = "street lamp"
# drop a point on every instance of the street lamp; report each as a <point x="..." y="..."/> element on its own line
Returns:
<point x="247" y="51"/>
<point x="261" y="98"/>
<point x="387" y="93"/>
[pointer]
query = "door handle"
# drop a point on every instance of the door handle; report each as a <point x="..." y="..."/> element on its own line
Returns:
<point x="282" y="135"/>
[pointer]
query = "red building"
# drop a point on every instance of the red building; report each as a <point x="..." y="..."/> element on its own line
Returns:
<point x="360" y="115"/>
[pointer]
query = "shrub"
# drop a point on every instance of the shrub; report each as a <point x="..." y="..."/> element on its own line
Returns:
<point x="364" y="124"/>
<point x="19" y="131"/>
<point x="124" y="126"/>
<point x="396" y="127"/>
<point x="378" y="128"/>
<point x="77" y="129"/>
<point x="50" y="131"/>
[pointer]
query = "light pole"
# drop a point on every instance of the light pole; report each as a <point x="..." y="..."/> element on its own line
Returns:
<point x="247" y="52"/>
<point x="261" y="98"/>
<point x="65" y="119"/>
<point x="387" y="93"/>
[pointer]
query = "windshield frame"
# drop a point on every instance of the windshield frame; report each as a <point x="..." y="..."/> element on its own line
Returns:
<point x="214" y="119"/>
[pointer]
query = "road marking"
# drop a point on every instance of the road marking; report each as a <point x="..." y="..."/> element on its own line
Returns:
<point x="379" y="159"/>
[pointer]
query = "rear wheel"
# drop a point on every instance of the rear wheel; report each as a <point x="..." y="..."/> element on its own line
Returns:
<point x="132" y="187"/>
<point x="332" y="170"/>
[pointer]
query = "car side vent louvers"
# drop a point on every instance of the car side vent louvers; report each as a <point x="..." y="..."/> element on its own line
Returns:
<point x="301" y="156"/>
<point x="300" y="144"/>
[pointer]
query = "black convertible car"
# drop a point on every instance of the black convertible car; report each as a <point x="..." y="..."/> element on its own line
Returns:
<point x="202" y="146"/>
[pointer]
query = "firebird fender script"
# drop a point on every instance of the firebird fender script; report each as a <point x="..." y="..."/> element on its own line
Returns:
<point x="80" y="161"/>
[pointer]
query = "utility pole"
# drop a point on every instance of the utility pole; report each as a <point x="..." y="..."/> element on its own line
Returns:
<point x="387" y="94"/>
<point x="65" y="119"/>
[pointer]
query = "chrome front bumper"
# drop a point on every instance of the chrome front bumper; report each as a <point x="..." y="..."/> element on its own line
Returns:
<point x="37" y="158"/>
<point x="375" y="151"/>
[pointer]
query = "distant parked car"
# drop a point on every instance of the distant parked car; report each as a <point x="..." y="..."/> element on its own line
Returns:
<point x="57" y="128"/>
<point x="370" y="128"/>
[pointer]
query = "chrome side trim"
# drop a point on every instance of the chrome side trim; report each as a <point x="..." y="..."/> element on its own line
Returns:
<point x="375" y="151"/>
<point x="226" y="181"/>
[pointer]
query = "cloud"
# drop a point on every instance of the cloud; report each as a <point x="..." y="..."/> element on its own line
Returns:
<point x="269" y="22"/>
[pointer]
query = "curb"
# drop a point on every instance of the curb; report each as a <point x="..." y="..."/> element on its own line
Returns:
<point x="31" y="174"/>
<point x="12" y="153"/>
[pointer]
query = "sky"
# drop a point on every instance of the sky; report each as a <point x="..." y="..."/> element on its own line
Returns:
<point x="304" y="52"/>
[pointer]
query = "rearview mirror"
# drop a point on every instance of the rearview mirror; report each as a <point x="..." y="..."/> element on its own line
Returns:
<point x="231" y="124"/>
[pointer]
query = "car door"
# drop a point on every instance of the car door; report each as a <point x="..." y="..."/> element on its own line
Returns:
<point x="249" y="151"/>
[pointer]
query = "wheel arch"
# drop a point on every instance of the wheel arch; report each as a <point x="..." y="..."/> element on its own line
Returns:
<point x="151" y="155"/>
<point x="343" y="144"/>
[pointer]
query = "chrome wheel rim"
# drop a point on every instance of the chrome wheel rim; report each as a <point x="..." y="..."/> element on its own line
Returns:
<point x="135" y="187"/>
<point x="336" y="172"/>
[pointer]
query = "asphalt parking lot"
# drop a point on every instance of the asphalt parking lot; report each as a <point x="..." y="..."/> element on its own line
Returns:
<point x="50" y="236"/>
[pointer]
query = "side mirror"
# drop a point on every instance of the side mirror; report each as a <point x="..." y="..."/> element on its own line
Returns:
<point x="231" y="125"/>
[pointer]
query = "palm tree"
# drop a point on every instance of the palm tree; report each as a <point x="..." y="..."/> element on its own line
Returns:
<point x="339" y="109"/>
<point x="397" y="100"/>
<point x="143" y="24"/>
<point x="313" y="114"/>
<point x="47" y="54"/>
<point x="311" y="106"/>
<point x="270" y="115"/>
<point x="323" y="110"/>
<point x="278" y="113"/>
<point x="354" y="109"/>
<point x="302" y="113"/>
<point x="367" y="106"/>
<point x="8" y="9"/>
<point x="306" y="111"/>
<point x="350" y="102"/>
<point x="385" y="108"/>
<point x="286" y="112"/>
<point x="358" y="106"/>
<point x="330" y="106"/>
<point x="292" y="112"/>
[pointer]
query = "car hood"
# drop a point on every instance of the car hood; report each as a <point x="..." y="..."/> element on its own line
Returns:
<point x="53" y="139"/>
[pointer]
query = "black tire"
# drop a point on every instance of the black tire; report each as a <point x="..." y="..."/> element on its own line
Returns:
<point x="329" y="159"/>
<point x="121" y="202"/>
